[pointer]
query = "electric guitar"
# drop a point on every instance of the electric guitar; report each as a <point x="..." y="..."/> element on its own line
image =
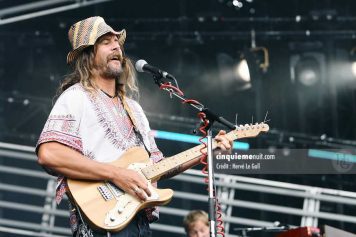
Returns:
<point x="105" y="206"/>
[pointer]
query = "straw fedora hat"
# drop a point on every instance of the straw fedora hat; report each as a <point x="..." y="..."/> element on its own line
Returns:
<point x="85" y="33"/>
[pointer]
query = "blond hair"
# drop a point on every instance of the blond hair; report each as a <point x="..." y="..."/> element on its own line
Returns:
<point x="194" y="216"/>
<point x="83" y="69"/>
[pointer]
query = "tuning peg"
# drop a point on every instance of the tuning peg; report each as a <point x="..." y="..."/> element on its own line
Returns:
<point x="265" y="120"/>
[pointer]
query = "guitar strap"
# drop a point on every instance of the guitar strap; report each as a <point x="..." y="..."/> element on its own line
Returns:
<point x="132" y="119"/>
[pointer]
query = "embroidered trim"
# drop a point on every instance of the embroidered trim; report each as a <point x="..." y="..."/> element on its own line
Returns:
<point x="66" y="139"/>
<point x="118" y="129"/>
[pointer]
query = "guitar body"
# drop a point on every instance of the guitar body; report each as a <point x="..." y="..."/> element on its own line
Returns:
<point x="109" y="208"/>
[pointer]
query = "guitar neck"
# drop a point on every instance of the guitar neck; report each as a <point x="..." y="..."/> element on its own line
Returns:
<point x="155" y="171"/>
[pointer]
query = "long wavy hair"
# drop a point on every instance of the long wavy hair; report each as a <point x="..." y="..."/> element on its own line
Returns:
<point x="83" y="73"/>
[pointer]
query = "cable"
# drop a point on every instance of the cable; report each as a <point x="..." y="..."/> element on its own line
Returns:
<point x="202" y="129"/>
<point x="220" y="230"/>
<point x="169" y="86"/>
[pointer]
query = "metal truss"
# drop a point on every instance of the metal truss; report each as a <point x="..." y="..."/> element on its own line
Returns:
<point x="42" y="8"/>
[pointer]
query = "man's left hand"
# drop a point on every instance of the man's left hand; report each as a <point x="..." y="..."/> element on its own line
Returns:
<point x="223" y="142"/>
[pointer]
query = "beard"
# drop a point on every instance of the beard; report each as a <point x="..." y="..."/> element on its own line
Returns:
<point x="111" y="72"/>
<point x="109" y="68"/>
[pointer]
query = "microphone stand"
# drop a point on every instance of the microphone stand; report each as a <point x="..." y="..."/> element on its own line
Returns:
<point x="211" y="117"/>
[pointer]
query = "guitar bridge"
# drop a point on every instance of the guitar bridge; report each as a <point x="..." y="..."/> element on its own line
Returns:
<point x="105" y="192"/>
<point x="109" y="191"/>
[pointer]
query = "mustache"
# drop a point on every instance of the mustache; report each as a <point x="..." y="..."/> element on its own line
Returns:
<point x="116" y="56"/>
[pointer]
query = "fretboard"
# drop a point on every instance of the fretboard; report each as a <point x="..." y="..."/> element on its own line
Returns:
<point x="155" y="171"/>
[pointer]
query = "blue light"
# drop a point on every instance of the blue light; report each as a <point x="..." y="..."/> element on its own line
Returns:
<point x="191" y="138"/>
<point x="331" y="155"/>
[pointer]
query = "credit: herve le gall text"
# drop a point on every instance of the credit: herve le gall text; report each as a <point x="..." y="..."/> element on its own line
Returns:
<point x="243" y="166"/>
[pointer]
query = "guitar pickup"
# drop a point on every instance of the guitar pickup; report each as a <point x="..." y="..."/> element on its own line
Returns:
<point x="115" y="190"/>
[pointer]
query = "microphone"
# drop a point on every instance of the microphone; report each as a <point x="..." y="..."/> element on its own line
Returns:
<point x="142" y="66"/>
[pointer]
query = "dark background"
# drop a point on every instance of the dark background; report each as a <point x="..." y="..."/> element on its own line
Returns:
<point x="186" y="38"/>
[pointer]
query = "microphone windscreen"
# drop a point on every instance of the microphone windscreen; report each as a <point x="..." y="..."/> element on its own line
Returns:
<point x="139" y="65"/>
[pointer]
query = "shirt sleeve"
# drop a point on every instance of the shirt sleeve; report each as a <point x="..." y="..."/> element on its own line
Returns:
<point x="63" y="123"/>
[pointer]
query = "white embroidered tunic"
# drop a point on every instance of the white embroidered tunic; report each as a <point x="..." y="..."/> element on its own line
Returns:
<point x="90" y="123"/>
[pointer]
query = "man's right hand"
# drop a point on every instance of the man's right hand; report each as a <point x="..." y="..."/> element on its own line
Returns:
<point x="131" y="182"/>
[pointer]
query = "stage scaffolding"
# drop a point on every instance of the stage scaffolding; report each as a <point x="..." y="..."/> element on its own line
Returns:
<point x="19" y="163"/>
